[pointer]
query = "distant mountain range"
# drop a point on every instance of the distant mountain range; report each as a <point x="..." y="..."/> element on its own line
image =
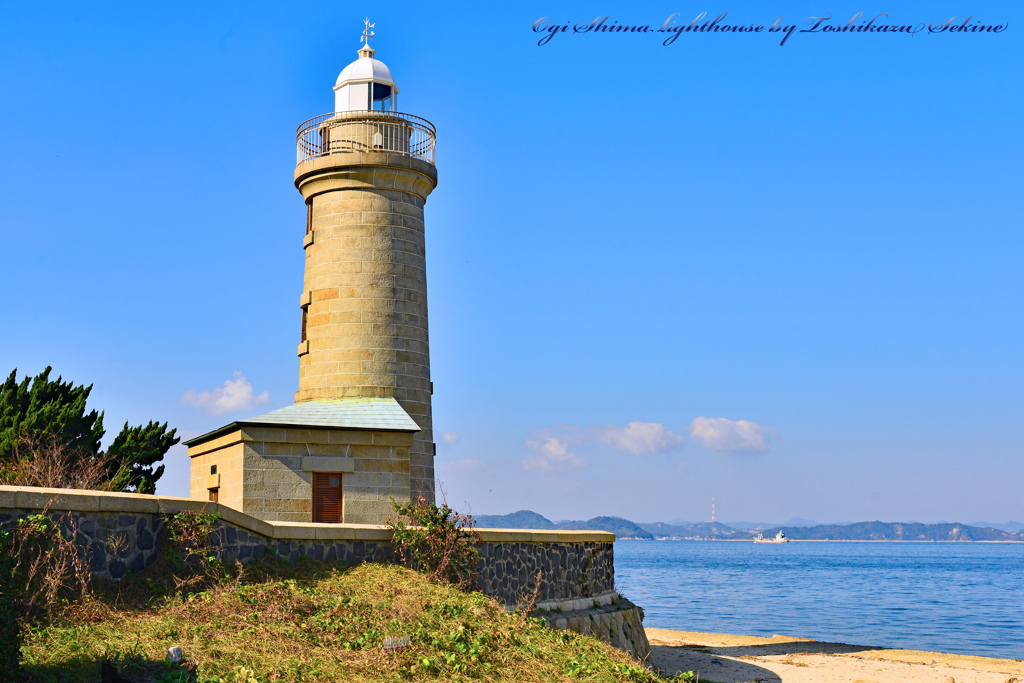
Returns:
<point x="798" y="529"/>
<point x="761" y="526"/>
<point x="889" y="531"/>
<point x="1012" y="527"/>
<point x="527" y="519"/>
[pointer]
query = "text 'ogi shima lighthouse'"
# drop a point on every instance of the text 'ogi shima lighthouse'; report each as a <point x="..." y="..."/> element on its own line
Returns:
<point x="360" y="430"/>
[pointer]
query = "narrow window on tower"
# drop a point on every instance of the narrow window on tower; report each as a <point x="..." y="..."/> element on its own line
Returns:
<point x="309" y="217"/>
<point x="305" y="314"/>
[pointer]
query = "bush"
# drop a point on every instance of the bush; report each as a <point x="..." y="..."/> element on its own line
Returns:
<point x="191" y="553"/>
<point x="10" y="626"/>
<point x="437" y="541"/>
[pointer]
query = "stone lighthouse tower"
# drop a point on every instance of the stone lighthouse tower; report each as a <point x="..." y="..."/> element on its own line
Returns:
<point x="359" y="432"/>
<point x="365" y="172"/>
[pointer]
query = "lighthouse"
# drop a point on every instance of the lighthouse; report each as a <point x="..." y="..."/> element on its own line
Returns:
<point x="359" y="432"/>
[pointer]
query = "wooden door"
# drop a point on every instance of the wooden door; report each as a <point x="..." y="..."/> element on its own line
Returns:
<point x="327" y="497"/>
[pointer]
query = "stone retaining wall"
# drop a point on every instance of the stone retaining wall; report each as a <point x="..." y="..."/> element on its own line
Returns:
<point x="121" y="532"/>
<point x="619" y="624"/>
<point x="609" y="617"/>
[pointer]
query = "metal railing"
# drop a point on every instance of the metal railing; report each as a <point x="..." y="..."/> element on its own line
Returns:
<point x="366" y="131"/>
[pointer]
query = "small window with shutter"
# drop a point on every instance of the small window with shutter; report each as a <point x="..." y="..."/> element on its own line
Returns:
<point x="214" y="495"/>
<point x="327" y="497"/>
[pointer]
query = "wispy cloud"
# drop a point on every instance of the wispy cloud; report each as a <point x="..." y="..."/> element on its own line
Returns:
<point x="553" y="447"/>
<point x="552" y="452"/>
<point x="236" y="394"/>
<point x="730" y="436"/>
<point x="450" y="437"/>
<point x="641" y="438"/>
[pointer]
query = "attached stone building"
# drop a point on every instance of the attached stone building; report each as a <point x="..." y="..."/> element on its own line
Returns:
<point x="360" y="431"/>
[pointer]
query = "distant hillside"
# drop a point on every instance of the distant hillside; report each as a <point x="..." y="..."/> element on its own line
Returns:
<point x="524" y="519"/>
<point x="689" y="532"/>
<point x="860" y="531"/>
<point x="894" y="531"/>
<point x="750" y="526"/>
<point x="761" y="526"/>
<point x="622" y="528"/>
<point x="663" y="530"/>
<point x="527" y="519"/>
<point x="1012" y="527"/>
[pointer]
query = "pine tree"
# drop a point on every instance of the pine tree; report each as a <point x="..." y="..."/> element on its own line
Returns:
<point x="38" y="406"/>
<point x="47" y="407"/>
<point x="135" y="451"/>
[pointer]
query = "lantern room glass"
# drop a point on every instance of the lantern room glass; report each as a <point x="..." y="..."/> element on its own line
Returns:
<point x="383" y="97"/>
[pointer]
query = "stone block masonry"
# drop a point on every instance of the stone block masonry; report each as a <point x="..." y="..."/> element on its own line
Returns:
<point x="122" y="532"/>
<point x="267" y="472"/>
<point x="365" y="289"/>
<point x="608" y="617"/>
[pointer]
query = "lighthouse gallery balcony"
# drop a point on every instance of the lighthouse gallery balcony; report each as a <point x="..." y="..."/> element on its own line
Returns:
<point x="366" y="131"/>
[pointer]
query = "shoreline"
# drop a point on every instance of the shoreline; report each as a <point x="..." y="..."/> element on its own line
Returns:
<point x="726" y="658"/>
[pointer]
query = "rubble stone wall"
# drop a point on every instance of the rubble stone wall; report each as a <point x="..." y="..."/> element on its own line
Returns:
<point x="571" y="572"/>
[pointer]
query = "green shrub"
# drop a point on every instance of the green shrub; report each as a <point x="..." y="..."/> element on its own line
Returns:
<point x="437" y="541"/>
<point x="192" y="555"/>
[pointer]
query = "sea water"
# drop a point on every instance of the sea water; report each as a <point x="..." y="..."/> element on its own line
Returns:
<point x="965" y="598"/>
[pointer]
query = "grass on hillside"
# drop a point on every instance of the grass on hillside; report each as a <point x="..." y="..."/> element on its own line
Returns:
<point x="314" y="622"/>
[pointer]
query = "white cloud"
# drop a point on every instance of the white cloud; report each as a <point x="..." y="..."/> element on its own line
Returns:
<point x="450" y="437"/>
<point x="730" y="436"/>
<point x="552" y="453"/>
<point x="236" y="394"/>
<point x="640" y="438"/>
<point x="552" y="445"/>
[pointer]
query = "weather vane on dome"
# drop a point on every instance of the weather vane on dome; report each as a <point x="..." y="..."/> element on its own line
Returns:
<point x="367" y="32"/>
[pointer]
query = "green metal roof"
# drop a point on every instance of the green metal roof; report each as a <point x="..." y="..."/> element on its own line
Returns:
<point x="333" y="413"/>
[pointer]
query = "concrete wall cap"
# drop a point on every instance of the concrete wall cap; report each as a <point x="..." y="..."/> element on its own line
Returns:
<point x="545" y="536"/>
<point x="28" y="498"/>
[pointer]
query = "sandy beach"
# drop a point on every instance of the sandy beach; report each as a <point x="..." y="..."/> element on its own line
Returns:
<point x="742" y="659"/>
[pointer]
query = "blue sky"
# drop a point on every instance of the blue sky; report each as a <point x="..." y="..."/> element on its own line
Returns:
<point x="789" y="278"/>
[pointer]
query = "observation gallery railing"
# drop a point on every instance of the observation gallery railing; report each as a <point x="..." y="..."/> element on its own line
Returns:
<point x="365" y="131"/>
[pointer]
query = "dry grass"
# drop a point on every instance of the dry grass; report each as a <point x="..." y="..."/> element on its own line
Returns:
<point x="316" y="622"/>
<point x="45" y="460"/>
<point x="49" y="569"/>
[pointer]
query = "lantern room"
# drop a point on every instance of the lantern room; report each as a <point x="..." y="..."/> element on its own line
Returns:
<point x="366" y="85"/>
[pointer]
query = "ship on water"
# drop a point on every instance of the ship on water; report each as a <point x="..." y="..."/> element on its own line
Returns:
<point x="779" y="538"/>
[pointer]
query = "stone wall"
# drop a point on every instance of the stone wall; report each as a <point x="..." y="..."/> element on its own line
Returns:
<point x="508" y="569"/>
<point x="609" y="617"/>
<point x="122" y="532"/>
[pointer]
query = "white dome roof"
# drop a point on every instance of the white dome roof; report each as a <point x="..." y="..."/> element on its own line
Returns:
<point x="366" y="69"/>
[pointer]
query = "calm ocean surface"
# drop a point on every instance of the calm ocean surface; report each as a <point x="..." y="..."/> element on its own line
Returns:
<point x="966" y="598"/>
